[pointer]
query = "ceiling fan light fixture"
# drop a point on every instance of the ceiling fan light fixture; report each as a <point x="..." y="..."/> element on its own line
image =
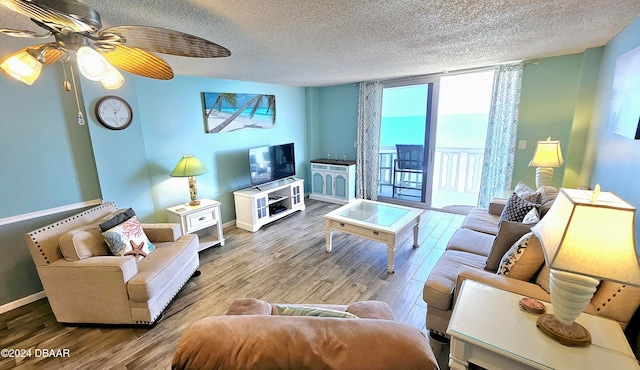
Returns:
<point x="113" y="80"/>
<point x="24" y="66"/>
<point x="92" y="65"/>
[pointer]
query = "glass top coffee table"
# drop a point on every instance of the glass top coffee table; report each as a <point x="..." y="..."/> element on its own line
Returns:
<point x="373" y="220"/>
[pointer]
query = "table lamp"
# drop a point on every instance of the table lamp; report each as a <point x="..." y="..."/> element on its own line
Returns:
<point x="586" y="237"/>
<point x="189" y="166"/>
<point x="546" y="157"/>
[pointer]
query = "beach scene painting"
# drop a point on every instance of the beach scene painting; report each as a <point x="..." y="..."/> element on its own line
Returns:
<point x="227" y="112"/>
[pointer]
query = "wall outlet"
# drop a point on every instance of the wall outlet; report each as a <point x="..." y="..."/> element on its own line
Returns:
<point x="355" y="144"/>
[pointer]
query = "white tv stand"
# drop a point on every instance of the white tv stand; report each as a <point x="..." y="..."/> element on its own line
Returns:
<point x="259" y="206"/>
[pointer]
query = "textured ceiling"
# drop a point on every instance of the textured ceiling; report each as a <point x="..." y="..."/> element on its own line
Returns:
<point x="330" y="42"/>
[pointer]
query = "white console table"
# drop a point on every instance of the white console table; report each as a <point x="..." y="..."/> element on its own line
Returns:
<point x="256" y="207"/>
<point x="333" y="180"/>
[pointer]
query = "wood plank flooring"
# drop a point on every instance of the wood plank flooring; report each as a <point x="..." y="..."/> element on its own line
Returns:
<point x="283" y="262"/>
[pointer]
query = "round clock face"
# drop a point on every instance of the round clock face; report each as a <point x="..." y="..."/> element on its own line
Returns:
<point x="113" y="113"/>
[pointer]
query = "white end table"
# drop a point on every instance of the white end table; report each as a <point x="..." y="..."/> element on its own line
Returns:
<point x="203" y="219"/>
<point x="488" y="329"/>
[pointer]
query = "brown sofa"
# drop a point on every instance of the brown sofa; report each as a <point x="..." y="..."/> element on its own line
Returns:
<point x="254" y="336"/>
<point x="85" y="284"/>
<point x="467" y="256"/>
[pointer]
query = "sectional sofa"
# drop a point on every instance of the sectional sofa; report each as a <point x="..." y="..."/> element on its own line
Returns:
<point x="476" y="251"/>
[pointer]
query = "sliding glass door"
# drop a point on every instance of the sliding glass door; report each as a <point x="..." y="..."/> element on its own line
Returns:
<point x="405" y="132"/>
<point x="432" y="139"/>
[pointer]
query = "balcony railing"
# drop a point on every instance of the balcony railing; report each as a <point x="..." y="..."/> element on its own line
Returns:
<point x="456" y="171"/>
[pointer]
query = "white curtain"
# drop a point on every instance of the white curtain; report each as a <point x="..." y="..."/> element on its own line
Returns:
<point x="369" y="118"/>
<point x="497" y="167"/>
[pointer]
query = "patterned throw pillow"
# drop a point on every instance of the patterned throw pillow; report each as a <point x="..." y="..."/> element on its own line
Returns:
<point x="523" y="260"/>
<point x="532" y="217"/>
<point x="128" y="239"/>
<point x="294" y="310"/>
<point x="516" y="208"/>
<point x="527" y="193"/>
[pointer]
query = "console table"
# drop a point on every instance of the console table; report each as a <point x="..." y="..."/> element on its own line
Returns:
<point x="488" y="329"/>
<point x="333" y="180"/>
<point x="258" y="207"/>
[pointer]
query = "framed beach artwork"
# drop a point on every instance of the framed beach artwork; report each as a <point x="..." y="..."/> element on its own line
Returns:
<point x="625" y="95"/>
<point x="227" y="112"/>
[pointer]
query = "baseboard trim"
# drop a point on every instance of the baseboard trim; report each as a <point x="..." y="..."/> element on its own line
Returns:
<point x="22" y="302"/>
<point x="47" y="212"/>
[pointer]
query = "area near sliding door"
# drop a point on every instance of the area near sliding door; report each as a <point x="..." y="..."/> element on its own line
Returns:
<point x="432" y="139"/>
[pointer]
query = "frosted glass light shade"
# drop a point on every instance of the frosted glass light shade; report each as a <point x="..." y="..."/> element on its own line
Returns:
<point x="23" y="66"/>
<point x="92" y="65"/>
<point x="113" y="80"/>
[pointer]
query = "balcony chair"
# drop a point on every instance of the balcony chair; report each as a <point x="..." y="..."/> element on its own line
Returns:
<point x="408" y="169"/>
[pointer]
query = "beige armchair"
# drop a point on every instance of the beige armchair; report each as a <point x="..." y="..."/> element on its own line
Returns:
<point x="85" y="284"/>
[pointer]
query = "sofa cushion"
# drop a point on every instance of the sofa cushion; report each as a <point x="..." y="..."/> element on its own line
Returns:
<point x="543" y="277"/>
<point x="83" y="242"/>
<point x="526" y="193"/>
<point x="480" y="220"/>
<point x="467" y="240"/>
<point x="159" y="268"/>
<point x="286" y="342"/>
<point x="508" y="233"/>
<point x="128" y="239"/>
<point x="441" y="282"/>
<point x="523" y="259"/>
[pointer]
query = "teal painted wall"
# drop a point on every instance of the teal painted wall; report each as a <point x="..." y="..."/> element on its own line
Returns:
<point x="46" y="162"/>
<point x="47" y="159"/>
<point x="335" y="117"/>
<point x="173" y="125"/>
<point x="613" y="160"/>
<point x="120" y="156"/>
<point x="50" y="161"/>
<point x="548" y="99"/>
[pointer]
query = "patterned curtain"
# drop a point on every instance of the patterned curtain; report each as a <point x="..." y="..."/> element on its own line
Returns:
<point x="369" y="118"/>
<point x="499" y="153"/>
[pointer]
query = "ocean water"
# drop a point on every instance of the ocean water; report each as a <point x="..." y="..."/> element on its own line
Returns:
<point x="453" y="131"/>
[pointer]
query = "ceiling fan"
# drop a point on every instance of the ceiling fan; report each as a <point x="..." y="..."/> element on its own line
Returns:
<point x="99" y="52"/>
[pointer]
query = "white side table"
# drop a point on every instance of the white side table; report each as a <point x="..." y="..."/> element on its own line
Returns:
<point x="203" y="219"/>
<point x="488" y="329"/>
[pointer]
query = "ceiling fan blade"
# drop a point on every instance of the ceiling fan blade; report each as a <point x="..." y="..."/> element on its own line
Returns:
<point x="51" y="56"/>
<point x="22" y="33"/>
<point x="165" y="41"/>
<point x="139" y="62"/>
<point x="49" y="15"/>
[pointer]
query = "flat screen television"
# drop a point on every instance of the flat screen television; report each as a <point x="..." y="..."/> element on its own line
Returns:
<point x="271" y="163"/>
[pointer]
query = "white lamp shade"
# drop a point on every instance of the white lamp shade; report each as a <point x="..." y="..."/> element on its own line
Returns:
<point x="590" y="237"/>
<point x="188" y="166"/>
<point x="547" y="154"/>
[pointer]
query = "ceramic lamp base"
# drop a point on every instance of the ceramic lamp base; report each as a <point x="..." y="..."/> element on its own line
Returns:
<point x="543" y="176"/>
<point x="568" y="335"/>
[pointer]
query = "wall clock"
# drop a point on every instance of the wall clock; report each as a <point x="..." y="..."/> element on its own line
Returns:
<point x="113" y="112"/>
